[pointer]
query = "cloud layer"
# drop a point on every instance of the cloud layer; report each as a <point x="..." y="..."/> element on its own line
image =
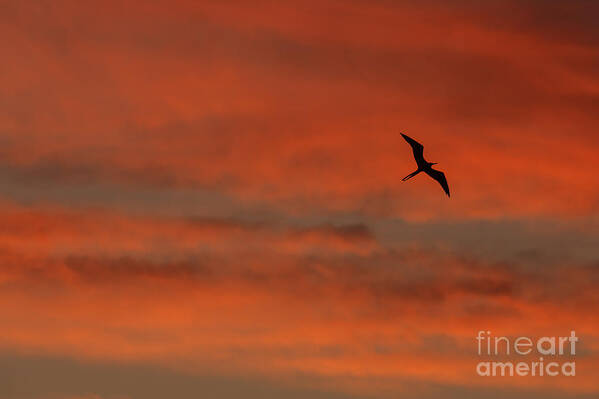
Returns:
<point x="213" y="189"/>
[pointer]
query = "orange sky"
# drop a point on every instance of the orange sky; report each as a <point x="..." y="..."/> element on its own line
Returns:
<point x="204" y="199"/>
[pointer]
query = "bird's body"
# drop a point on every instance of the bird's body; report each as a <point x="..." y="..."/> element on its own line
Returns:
<point x="424" y="165"/>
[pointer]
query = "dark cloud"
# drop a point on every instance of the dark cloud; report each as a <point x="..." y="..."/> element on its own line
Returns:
<point x="46" y="377"/>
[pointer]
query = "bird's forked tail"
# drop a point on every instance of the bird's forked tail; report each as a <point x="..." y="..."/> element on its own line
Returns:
<point x="411" y="175"/>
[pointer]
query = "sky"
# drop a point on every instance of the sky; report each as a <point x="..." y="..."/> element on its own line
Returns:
<point x="204" y="198"/>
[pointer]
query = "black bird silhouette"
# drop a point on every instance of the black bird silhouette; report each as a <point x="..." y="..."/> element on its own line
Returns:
<point x="424" y="166"/>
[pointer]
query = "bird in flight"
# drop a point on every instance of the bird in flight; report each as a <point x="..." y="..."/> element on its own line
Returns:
<point x="425" y="166"/>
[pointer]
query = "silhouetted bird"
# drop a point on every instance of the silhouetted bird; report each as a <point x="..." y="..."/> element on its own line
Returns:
<point x="424" y="166"/>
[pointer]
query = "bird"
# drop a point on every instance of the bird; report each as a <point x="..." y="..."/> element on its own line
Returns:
<point x="425" y="166"/>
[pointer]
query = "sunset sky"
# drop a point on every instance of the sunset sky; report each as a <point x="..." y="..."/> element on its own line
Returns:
<point x="203" y="199"/>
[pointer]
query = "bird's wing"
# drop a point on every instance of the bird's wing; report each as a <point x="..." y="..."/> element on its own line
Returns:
<point x="417" y="149"/>
<point x="440" y="177"/>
